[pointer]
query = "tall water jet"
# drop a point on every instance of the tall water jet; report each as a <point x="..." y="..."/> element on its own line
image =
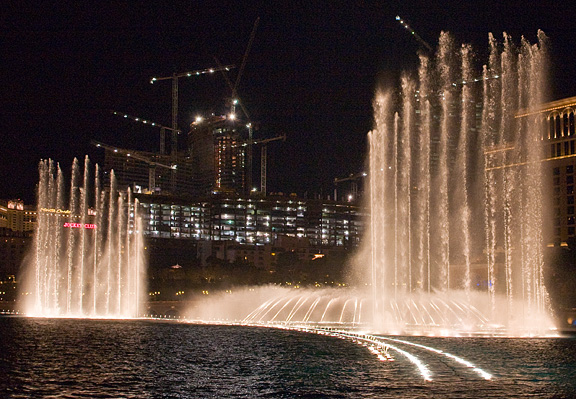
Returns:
<point x="455" y="188"/>
<point x="88" y="259"/>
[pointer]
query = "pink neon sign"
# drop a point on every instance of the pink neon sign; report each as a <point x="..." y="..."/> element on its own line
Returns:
<point x="80" y="225"/>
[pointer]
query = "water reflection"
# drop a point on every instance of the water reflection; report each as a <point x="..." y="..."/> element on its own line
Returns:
<point x="138" y="358"/>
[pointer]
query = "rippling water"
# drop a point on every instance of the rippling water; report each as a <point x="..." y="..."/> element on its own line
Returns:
<point x="63" y="358"/>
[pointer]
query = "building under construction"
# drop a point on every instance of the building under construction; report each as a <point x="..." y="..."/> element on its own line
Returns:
<point x="213" y="161"/>
<point x="217" y="151"/>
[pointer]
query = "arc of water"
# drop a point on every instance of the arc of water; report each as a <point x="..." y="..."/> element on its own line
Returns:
<point x="253" y="315"/>
<point x="301" y="301"/>
<point x="311" y="310"/>
<point x="282" y="308"/>
<point x="326" y="309"/>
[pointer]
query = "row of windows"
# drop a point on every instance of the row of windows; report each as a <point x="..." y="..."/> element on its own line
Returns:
<point x="254" y="222"/>
<point x="561" y="126"/>
<point x="563" y="149"/>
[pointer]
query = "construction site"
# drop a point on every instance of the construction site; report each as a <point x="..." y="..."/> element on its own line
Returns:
<point x="205" y="203"/>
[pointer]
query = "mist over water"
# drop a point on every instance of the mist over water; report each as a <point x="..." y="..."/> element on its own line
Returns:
<point x="87" y="258"/>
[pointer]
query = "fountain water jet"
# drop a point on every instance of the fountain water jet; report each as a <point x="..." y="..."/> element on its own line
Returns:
<point x="87" y="262"/>
<point x="454" y="242"/>
<point x="465" y="158"/>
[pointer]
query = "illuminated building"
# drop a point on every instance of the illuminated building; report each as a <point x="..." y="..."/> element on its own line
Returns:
<point x="13" y="248"/>
<point x="253" y="228"/>
<point x="253" y="220"/>
<point x="559" y="157"/>
<point x="218" y="155"/>
<point x="17" y="222"/>
<point x="136" y="172"/>
<point x="16" y="216"/>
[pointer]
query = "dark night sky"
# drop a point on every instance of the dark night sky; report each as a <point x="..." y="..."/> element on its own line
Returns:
<point x="312" y="72"/>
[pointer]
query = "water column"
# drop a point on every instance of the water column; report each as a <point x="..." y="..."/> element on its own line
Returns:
<point x="405" y="176"/>
<point x="79" y="267"/>
<point x="97" y="252"/>
<point x="447" y="100"/>
<point x="139" y="257"/>
<point x="462" y="166"/>
<point x="83" y="244"/>
<point x="381" y="205"/>
<point x="532" y="81"/>
<point x="110" y="241"/>
<point x="128" y="244"/>
<point x="424" y="176"/>
<point x="71" y="245"/>
<point x="119" y="252"/>
<point x="509" y="182"/>
<point x="41" y="268"/>
<point x="489" y="129"/>
<point x="396" y="212"/>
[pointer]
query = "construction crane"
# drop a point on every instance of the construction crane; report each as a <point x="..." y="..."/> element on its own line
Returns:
<point x="353" y="178"/>
<point x="413" y="33"/>
<point x="263" y="157"/>
<point x="429" y="48"/>
<point x="174" y="77"/>
<point x="150" y="123"/>
<point x="236" y="101"/>
<point x="140" y="157"/>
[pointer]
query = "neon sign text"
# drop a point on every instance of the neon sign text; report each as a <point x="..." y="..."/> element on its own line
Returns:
<point x="80" y="225"/>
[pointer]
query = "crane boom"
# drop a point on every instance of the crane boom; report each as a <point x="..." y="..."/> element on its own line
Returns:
<point x="413" y="33"/>
<point x="143" y="121"/>
<point x="194" y="73"/>
<point x="132" y="154"/>
<point x="140" y="157"/>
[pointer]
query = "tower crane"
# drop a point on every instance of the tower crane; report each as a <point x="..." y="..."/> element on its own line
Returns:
<point x="263" y="157"/>
<point x="150" y="123"/>
<point x="430" y="50"/>
<point x="174" y="77"/>
<point x="139" y="156"/>
<point x="413" y="33"/>
<point x="236" y="101"/>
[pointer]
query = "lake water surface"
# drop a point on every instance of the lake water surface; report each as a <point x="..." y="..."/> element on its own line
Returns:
<point x="66" y="358"/>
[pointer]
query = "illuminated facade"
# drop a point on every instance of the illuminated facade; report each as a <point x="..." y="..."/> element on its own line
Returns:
<point x="16" y="216"/>
<point x="17" y="221"/>
<point x="559" y="136"/>
<point x="253" y="221"/>
<point x="218" y="156"/>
